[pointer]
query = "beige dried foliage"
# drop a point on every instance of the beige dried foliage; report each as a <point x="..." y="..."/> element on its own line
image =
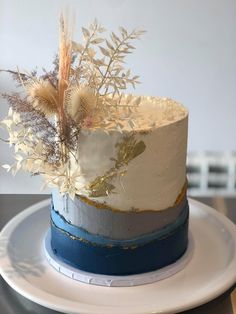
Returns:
<point x="100" y="64"/>
<point x="85" y="89"/>
<point x="43" y="96"/>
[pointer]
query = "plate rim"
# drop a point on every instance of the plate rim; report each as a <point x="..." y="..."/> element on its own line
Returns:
<point x="87" y="308"/>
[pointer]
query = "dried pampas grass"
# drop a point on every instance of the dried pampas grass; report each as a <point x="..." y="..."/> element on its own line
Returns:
<point x="81" y="103"/>
<point x="65" y="54"/>
<point x="43" y="96"/>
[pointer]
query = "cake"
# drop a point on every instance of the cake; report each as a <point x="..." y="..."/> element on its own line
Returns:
<point x="115" y="161"/>
<point x="143" y="224"/>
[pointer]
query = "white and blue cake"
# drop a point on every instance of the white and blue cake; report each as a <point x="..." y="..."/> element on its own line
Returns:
<point x="134" y="216"/>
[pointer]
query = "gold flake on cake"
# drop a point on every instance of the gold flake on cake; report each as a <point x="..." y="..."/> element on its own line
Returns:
<point x="127" y="150"/>
<point x="182" y="194"/>
<point x="180" y="198"/>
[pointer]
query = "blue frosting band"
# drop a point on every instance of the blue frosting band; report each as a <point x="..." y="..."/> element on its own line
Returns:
<point x="117" y="258"/>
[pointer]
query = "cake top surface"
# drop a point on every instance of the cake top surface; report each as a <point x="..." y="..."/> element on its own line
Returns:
<point x="152" y="112"/>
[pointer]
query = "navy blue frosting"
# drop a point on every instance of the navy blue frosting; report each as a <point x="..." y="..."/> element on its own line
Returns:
<point x="102" y="255"/>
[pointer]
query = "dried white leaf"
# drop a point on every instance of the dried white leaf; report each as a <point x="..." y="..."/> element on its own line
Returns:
<point x="97" y="41"/>
<point x="10" y="111"/>
<point x="115" y="38"/>
<point x="99" y="62"/>
<point x="14" y="170"/>
<point x="91" y="52"/>
<point x="109" y="45"/>
<point x="86" y="32"/>
<point x="7" y="122"/>
<point x="117" y="72"/>
<point x="128" y="73"/>
<point x="130" y="46"/>
<point x="77" y="47"/>
<point x="7" y="167"/>
<point x="93" y="25"/>
<point x="123" y="31"/>
<point x="104" y="51"/>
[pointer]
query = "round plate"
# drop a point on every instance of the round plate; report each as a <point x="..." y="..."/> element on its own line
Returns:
<point x="210" y="272"/>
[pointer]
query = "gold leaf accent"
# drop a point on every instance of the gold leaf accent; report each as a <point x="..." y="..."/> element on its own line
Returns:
<point x="101" y="186"/>
<point x="128" y="149"/>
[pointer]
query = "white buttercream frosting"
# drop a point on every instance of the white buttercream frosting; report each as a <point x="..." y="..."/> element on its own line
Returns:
<point x="155" y="178"/>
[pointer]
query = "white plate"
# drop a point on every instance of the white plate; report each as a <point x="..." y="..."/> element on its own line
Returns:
<point x="210" y="272"/>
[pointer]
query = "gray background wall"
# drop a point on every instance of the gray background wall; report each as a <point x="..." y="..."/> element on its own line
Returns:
<point x="188" y="53"/>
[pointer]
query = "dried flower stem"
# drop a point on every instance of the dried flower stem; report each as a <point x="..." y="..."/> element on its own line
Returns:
<point x="127" y="37"/>
<point x="86" y="46"/>
<point x="65" y="53"/>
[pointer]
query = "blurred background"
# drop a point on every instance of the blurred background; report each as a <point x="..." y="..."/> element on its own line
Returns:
<point x="188" y="54"/>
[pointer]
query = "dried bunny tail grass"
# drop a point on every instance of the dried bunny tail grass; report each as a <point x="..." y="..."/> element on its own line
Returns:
<point x="43" y="96"/>
<point x="81" y="103"/>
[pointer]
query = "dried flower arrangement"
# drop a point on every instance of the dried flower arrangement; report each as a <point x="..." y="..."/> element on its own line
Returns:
<point x="84" y="90"/>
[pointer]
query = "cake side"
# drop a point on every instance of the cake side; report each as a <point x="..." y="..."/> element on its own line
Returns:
<point x="153" y="179"/>
<point x="106" y="222"/>
<point x="125" y="255"/>
<point x="143" y="212"/>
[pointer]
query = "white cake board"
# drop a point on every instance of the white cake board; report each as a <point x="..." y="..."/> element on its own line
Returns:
<point x="209" y="273"/>
<point x="116" y="281"/>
